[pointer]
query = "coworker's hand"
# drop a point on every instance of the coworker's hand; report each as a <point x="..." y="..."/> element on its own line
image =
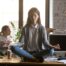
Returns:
<point x="7" y="42"/>
<point x="1" y="43"/>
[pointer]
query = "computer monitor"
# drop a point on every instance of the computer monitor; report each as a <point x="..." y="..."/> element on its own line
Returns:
<point x="58" y="39"/>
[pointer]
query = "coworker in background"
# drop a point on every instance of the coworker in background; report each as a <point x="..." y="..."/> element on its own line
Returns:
<point x="5" y="39"/>
<point x="33" y="37"/>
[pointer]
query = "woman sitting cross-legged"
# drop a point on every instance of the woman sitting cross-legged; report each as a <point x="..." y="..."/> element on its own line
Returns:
<point x="33" y="37"/>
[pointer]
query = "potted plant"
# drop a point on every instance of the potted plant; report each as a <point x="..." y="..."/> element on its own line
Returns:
<point x="17" y="32"/>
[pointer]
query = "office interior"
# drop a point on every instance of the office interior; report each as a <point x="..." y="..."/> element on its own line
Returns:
<point x="54" y="20"/>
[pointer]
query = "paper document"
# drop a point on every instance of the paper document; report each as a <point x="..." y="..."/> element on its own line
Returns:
<point x="63" y="61"/>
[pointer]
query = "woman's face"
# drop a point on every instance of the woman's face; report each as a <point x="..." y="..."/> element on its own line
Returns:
<point x="35" y="17"/>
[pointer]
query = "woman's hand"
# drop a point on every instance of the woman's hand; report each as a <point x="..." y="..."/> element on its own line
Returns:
<point x="57" y="46"/>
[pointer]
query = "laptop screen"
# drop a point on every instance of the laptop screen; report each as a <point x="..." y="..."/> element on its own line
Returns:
<point x="58" y="39"/>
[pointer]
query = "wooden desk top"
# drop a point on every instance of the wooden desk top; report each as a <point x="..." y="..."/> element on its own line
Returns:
<point x="11" y="60"/>
<point x="17" y="60"/>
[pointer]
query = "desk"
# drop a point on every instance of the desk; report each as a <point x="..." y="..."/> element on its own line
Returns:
<point x="11" y="60"/>
<point x="16" y="61"/>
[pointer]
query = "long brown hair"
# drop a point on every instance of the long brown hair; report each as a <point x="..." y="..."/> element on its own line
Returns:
<point x="30" y="14"/>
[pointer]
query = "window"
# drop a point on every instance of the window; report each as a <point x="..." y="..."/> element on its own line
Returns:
<point x="51" y="14"/>
<point x="40" y="4"/>
<point x="9" y="12"/>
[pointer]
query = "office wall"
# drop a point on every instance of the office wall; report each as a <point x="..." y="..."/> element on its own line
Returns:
<point x="59" y="16"/>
